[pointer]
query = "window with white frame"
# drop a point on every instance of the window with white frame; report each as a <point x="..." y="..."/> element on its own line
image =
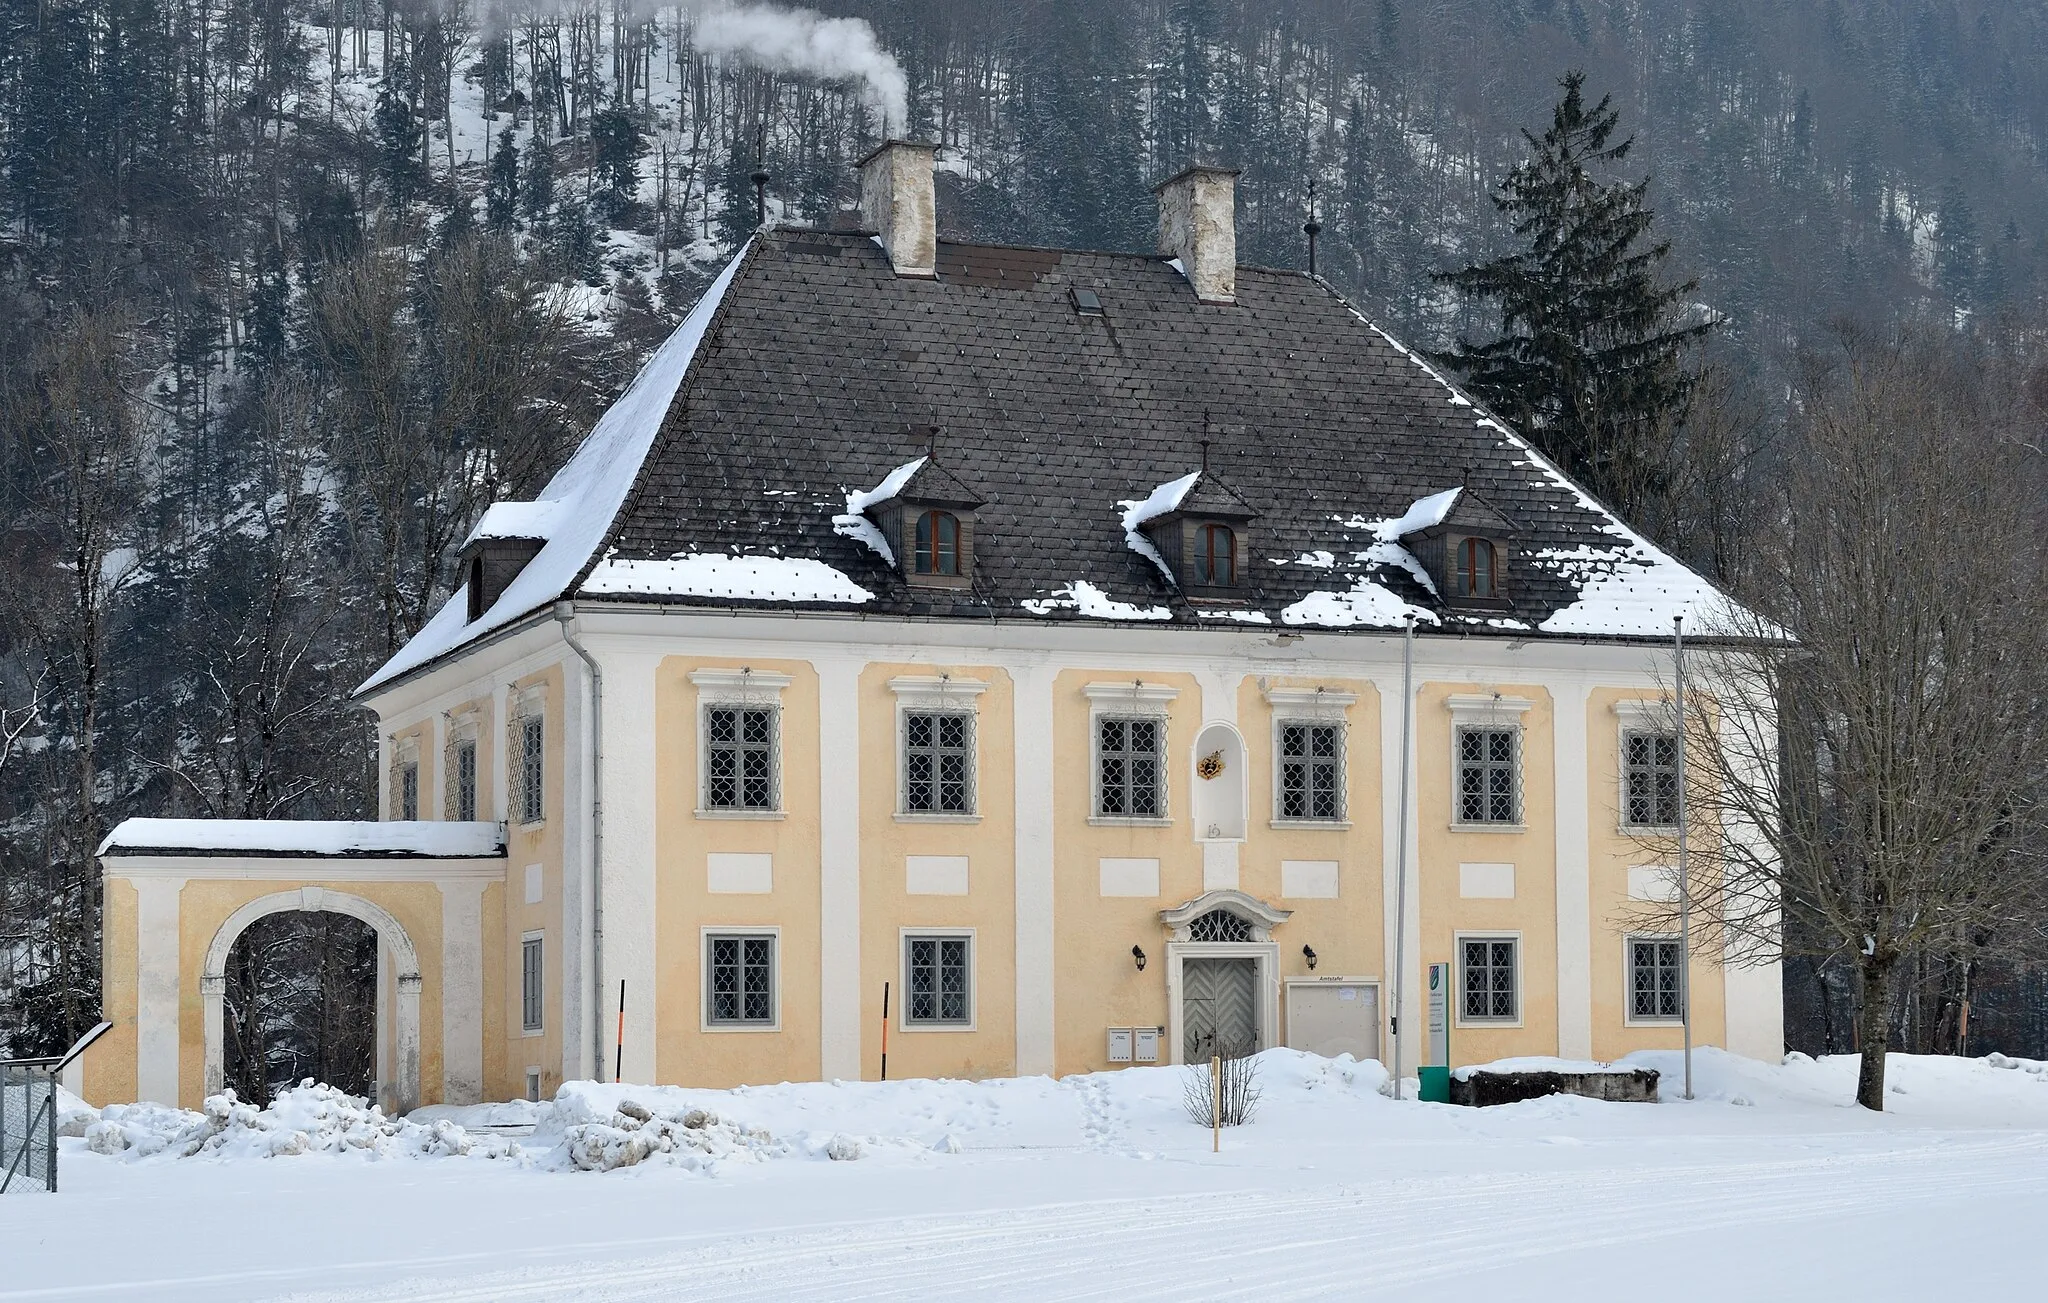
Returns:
<point x="1129" y="766"/>
<point x="528" y="737"/>
<point x="462" y="778"/>
<point x="1311" y="765"/>
<point x="1487" y="979"/>
<point x="938" y="980"/>
<point x="739" y="757"/>
<point x="938" y="762"/>
<point x="739" y="979"/>
<point x="1656" y="979"/>
<point x="1489" y="774"/>
<point x="739" y="741"/>
<point x="530" y="988"/>
<point x="1649" y="762"/>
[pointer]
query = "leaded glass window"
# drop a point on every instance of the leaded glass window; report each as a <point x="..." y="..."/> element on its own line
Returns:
<point x="465" y="779"/>
<point x="409" y="790"/>
<point x="528" y="792"/>
<point x="1489" y="786"/>
<point x="1311" y="771"/>
<point x="739" y="758"/>
<point x="1656" y="978"/>
<point x="740" y="981"/>
<point x="938" y="762"/>
<point x="1220" y="925"/>
<point x="1489" y="978"/>
<point x="1650" y="768"/>
<point x="1128" y="754"/>
<point x="936" y="974"/>
<point x="530" y="984"/>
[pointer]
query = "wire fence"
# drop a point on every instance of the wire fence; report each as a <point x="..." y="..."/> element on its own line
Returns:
<point x="28" y="1125"/>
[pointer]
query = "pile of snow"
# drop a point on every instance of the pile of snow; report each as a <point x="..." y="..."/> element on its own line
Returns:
<point x="1541" y="1063"/>
<point x="305" y="1119"/>
<point x="424" y="838"/>
<point x="713" y="574"/>
<point x="1138" y="511"/>
<point x="1092" y="602"/>
<point x="854" y="522"/>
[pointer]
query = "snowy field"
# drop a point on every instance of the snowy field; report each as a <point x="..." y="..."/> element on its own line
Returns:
<point x="1769" y="1185"/>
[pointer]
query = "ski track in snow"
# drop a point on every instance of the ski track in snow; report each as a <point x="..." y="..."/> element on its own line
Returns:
<point x="1361" y="1240"/>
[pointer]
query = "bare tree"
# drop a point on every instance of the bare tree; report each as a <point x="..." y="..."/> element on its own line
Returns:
<point x="1879" y="779"/>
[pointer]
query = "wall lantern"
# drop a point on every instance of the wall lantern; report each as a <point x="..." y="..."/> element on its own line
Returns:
<point x="1138" y="953"/>
<point x="1308" y="953"/>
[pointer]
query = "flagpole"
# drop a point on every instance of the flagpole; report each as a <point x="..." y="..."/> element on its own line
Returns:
<point x="1401" y="845"/>
<point x="1684" y="874"/>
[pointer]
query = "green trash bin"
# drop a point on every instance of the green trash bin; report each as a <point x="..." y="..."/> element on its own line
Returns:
<point x="1435" y="1082"/>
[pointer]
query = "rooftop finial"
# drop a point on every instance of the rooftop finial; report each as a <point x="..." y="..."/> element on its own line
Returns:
<point x="1205" y="456"/>
<point x="1311" y="228"/>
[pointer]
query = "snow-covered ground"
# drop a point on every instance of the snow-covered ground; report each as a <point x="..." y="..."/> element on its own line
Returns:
<point x="1769" y="1185"/>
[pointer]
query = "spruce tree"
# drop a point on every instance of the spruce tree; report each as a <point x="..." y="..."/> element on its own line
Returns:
<point x="501" y="188"/>
<point x="1591" y="360"/>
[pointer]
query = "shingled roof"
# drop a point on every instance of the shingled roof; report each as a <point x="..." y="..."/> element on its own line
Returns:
<point x="812" y="371"/>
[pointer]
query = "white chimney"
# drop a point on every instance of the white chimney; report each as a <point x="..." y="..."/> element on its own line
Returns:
<point x="1198" y="225"/>
<point x="896" y="200"/>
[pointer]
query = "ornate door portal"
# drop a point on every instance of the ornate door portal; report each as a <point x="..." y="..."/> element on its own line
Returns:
<point x="1219" y="1008"/>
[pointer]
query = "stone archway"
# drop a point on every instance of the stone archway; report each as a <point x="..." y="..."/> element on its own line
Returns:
<point x="391" y="938"/>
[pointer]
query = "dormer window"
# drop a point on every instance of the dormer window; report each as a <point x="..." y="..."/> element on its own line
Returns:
<point x="938" y="544"/>
<point x="473" y="587"/>
<point x="1464" y="543"/>
<point x="1476" y="569"/>
<point x="1216" y="556"/>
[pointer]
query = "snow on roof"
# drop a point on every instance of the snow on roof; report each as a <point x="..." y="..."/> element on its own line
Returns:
<point x="516" y="520"/>
<point x="1426" y="513"/>
<point x="1137" y="511"/>
<point x="712" y="574"/>
<point x="1086" y="599"/>
<point x="358" y="838"/>
<point x="854" y="523"/>
<point x="1366" y="603"/>
<point x="584" y="496"/>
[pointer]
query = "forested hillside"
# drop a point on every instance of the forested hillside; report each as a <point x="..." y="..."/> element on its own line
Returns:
<point x="290" y="291"/>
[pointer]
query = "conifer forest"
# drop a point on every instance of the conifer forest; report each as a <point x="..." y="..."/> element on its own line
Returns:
<point x="291" y="290"/>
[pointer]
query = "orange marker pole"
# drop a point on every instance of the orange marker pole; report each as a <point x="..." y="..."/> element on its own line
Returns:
<point x="885" y="1031"/>
<point x="619" y="1059"/>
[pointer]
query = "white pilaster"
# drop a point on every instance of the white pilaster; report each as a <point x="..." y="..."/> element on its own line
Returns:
<point x="1406" y="1002"/>
<point x="630" y="798"/>
<point x="1574" y="873"/>
<point x="1033" y="730"/>
<point x="434" y="795"/>
<point x="462" y="991"/>
<point x="1754" y="993"/>
<point x="501" y="750"/>
<point x="839" y="977"/>
<point x="579" y="819"/>
<point x="156" y="989"/>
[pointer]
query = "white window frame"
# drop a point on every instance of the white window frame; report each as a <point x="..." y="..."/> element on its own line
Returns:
<point x="1630" y="1017"/>
<point x="1134" y="699"/>
<point x="750" y="689"/>
<point x="1490" y="712"/>
<point x="405" y="754"/>
<point x="941" y="694"/>
<point x="904" y="937"/>
<point x="1638" y="715"/>
<point x="1458" y="940"/>
<point x="540" y="996"/>
<point x="529" y="705"/>
<point x="709" y="933"/>
<point x="465" y="729"/>
<point x="1313" y="707"/>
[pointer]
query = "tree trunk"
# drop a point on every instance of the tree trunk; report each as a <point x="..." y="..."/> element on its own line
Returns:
<point x="1873" y="1031"/>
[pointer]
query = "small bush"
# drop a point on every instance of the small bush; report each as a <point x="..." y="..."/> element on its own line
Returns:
<point x="1239" y="1071"/>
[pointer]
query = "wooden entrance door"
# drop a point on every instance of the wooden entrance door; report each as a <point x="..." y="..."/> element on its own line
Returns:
<point x="1219" y="1008"/>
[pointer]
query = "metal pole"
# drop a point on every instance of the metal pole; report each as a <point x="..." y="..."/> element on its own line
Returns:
<point x="1684" y="875"/>
<point x="619" y="1061"/>
<point x="1401" y="844"/>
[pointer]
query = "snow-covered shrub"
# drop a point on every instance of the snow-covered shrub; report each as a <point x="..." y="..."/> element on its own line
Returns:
<point x="1226" y="1088"/>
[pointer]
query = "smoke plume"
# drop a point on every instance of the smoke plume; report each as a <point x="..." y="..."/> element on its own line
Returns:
<point x="806" y="42"/>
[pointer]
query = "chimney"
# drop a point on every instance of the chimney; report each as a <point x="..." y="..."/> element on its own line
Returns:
<point x="1198" y="225"/>
<point x="896" y="201"/>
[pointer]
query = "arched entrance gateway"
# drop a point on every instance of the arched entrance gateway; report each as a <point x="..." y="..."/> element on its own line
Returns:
<point x="1222" y="976"/>
<point x="398" y="1052"/>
